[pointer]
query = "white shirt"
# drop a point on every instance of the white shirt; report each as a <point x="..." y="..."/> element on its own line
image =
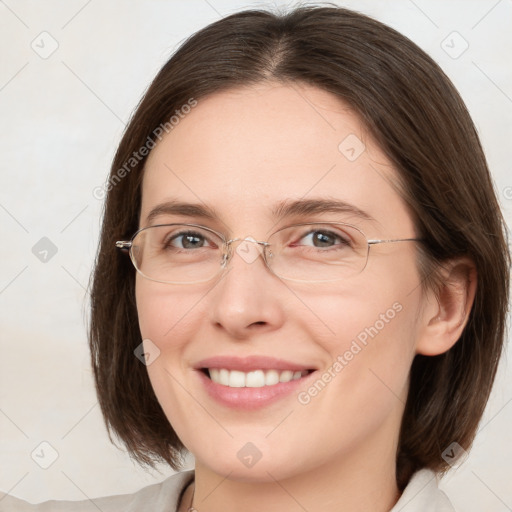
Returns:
<point x="421" y="495"/>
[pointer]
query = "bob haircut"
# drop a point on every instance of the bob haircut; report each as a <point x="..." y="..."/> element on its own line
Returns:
<point x="418" y="119"/>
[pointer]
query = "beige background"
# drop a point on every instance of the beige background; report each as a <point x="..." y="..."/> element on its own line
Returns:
<point x="62" y="116"/>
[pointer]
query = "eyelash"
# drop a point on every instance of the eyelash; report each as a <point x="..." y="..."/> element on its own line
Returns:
<point x="168" y="241"/>
<point x="343" y="241"/>
<point x="167" y="244"/>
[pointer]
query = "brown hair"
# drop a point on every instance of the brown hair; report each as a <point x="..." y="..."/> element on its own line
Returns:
<point x="419" y="120"/>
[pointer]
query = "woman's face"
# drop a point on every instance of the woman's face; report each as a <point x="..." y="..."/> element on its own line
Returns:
<point x="240" y="153"/>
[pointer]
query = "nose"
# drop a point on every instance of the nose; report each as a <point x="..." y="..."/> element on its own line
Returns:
<point x="248" y="298"/>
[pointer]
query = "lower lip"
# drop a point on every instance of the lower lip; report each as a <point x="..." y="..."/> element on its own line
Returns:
<point x="250" y="399"/>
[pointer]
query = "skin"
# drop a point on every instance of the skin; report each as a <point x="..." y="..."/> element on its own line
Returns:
<point x="241" y="151"/>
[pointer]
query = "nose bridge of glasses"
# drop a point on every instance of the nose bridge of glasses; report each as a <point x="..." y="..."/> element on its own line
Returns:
<point x="247" y="248"/>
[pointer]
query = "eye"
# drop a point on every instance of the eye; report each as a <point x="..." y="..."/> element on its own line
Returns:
<point x="186" y="240"/>
<point x="324" y="238"/>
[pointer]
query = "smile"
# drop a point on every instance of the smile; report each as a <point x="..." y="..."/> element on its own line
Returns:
<point x="252" y="379"/>
<point x="251" y="382"/>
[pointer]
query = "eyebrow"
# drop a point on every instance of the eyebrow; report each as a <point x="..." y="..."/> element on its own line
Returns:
<point x="173" y="207"/>
<point x="283" y="209"/>
<point x="304" y="207"/>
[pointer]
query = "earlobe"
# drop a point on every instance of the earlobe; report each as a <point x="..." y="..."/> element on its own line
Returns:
<point x="445" y="317"/>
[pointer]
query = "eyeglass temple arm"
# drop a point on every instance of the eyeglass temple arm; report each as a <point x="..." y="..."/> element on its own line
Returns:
<point x="125" y="246"/>
<point x="374" y="242"/>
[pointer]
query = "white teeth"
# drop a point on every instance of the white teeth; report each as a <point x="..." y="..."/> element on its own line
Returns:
<point x="286" y="376"/>
<point x="223" y="376"/>
<point x="236" y="379"/>
<point x="271" y="378"/>
<point x="253" y="379"/>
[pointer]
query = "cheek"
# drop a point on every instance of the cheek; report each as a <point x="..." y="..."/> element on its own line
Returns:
<point x="169" y="318"/>
<point x="166" y="314"/>
<point x="369" y="334"/>
<point x="375" y="307"/>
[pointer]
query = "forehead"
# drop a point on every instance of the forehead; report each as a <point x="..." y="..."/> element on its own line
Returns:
<point x="243" y="151"/>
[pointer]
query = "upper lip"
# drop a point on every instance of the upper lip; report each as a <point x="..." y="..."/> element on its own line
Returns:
<point x="250" y="363"/>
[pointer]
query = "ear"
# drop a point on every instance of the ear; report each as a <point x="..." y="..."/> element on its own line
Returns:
<point x="446" y="312"/>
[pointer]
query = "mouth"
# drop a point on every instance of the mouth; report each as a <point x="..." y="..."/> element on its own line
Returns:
<point x="257" y="378"/>
<point x="251" y="382"/>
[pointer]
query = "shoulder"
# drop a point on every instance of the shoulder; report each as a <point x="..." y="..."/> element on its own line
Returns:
<point x="161" y="497"/>
<point x="422" y="494"/>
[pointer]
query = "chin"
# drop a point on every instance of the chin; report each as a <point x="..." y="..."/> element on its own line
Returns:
<point x="254" y="462"/>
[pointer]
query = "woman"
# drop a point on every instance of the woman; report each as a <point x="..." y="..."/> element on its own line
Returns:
<point x="316" y="292"/>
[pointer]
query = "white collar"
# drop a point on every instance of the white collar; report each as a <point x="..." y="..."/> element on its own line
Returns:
<point x="422" y="494"/>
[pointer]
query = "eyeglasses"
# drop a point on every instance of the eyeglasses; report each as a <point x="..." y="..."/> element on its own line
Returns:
<point x="190" y="253"/>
